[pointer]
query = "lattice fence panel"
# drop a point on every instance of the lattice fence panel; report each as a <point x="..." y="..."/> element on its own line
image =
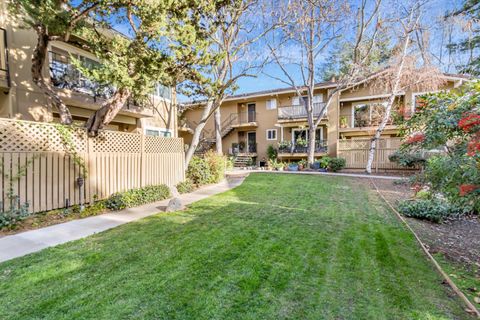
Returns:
<point x="27" y="136"/>
<point x="113" y="141"/>
<point x="163" y="145"/>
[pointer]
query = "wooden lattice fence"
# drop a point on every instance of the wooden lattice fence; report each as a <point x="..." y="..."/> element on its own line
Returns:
<point x="355" y="152"/>
<point x="115" y="161"/>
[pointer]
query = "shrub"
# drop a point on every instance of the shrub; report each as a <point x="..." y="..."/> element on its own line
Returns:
<point x="336" y="164"/>
<point x="185" y="186"/>
<point x="230" y="163"/>
<point x="272" y="152"/>
<point x="198" y="171"/>
<point x="16" y="213"/>
<point x="434" y="210"/>
<point x="324" y="162"/>
<point x="406" y="159"/>
<point x="216" y="164"/>
<point x="136" y="197"/>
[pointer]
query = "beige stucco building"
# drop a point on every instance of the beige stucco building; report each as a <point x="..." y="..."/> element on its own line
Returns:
<point x="20" y="98"/>
<point x="253" y="121"/>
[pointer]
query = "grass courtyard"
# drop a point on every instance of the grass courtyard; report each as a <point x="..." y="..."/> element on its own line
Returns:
<point x="277" y="247"/>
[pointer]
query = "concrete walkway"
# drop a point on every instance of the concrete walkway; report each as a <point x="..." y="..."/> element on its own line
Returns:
<point x="35" y="240"/>
<point x="352" y="175"/>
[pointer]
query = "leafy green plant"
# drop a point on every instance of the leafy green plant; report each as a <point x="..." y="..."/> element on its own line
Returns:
<point x="434" y="210"/>
<point x="336" y="164"/>
<point x="65" y="133"/>
<point x="301" y="142"/>
<point x="303" y="163"/>
<point x="136" y="197"/>
<point x="198" y="171"/>
<point x="406" y="159"/>
<point x="271" y="152"/>
<point x="216" y="164"/>
<point x="324" y="162"/>
<point x="185" y="186"/>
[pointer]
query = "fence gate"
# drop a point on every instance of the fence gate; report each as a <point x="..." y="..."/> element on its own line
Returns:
<point x="35" y="169"/>
<point x="355" y="152"/>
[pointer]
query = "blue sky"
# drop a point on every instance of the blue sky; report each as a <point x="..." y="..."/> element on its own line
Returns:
<point x="263" y="82"/>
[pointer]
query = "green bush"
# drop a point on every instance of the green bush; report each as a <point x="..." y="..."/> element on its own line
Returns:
<point x="15" y="214"/>
<point x="336" y="164"/>
<point x="272" y="153"/>
<point x="185" y="186"/>
<point x="216" y="164"/>
<point x="434" y="210"/>
<point x="324" y="162"/>
<point x="406" y="159"/>
<point x="136" y="197"/>
<point x="198" y="171"/>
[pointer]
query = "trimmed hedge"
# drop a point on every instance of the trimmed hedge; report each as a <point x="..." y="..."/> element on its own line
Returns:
<point x="185" y="186"/>
<point x="136" y="197"/>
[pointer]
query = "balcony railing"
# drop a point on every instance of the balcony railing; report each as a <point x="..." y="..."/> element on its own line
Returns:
<point x="240" y="118"/>
<point x="284" y="147"/>
<point x="298" y="112"/>
<point x="361" y="121"/>
<point x="4" y="72"/>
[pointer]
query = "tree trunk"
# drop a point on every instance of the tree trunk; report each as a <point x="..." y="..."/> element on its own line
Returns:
<point x="107" y="111"/>
<point x="197" y="132"/>
<point x="311" y="145"/>
<point x="391" y="100"/>
<point x="38" y="61"/>
<point x="218" y="132"/>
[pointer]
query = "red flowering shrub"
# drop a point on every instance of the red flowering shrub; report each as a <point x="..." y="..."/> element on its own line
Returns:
<point x="470" y="122"/>
<point x="467" y="188"/>
<point x="473" y="146"/>
<point x="416" y="137"/>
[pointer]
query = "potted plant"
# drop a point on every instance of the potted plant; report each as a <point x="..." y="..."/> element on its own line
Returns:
<point x="301" y="145"/>
<point x="293" y="166"/>
<point x="241" y="146"/>
<point x="302" y="164"/>
<point x="343" y="122"/>
<point x="284" y="146"/>
<point x="324" y="162"/>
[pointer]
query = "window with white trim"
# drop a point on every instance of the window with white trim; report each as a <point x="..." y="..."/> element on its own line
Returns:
<point x="158" y="132"/>
<point x="318" y="98"/>
<point x="295" y="101"/>
<point x="271" y="104"/>
<point x="271" y="134"/>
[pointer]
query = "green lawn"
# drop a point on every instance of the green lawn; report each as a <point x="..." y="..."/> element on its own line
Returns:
<point x="277" y="247"/>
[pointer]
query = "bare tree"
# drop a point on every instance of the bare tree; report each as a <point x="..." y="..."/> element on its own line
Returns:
<point x="238" y="29"/>
<point x="405" y="71"/>
<point x="312" y="26"/>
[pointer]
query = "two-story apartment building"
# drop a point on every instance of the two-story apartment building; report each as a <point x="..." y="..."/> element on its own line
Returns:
<point x="20" y="98"/>
<point x="253" y="121"/>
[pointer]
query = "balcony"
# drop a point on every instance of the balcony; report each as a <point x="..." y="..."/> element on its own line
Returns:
<point x="4" y="73"/>
<point x="241" y="119"/>
<point x="289" y="149"/>
<point x="298" y="112"/>
<point x="363" y="122"/>
<point x="71" y="82"/>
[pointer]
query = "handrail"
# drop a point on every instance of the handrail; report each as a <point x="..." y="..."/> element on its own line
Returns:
<point x="299" y="111"/>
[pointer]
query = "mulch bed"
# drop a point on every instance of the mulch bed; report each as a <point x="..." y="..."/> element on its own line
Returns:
<point x="457" y="240"/>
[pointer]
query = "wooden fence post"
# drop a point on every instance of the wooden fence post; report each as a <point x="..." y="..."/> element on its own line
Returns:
<point x="142" y="160"/>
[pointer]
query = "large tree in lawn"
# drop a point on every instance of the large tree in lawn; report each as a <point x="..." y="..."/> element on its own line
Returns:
<point x="310" y="29"/>
<point x="51" y="20"/>
<point x="237" y="27"/>
<point x="167" y="44"/>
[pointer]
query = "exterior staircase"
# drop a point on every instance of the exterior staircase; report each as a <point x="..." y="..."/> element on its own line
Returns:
<point x="241" y="161"/>
<point x="206" y="144"/>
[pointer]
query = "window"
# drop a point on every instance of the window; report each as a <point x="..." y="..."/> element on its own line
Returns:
<point x="271" y="104"/>
<point x="295" y="101"/>
<point x="163" y="91"/>
<point x="271" y="134"/>
<point x="318" y="98"/>
<point x="158" y="133"/>
<point x="368" y="114"/>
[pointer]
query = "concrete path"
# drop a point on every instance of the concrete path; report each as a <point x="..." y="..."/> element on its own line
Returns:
<point x="353" y="175"/>
<point x="35" y="240"/>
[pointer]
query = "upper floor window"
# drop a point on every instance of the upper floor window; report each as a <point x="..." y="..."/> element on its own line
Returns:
<point x="158" y="132"/>
<point x="368" y="114"/>
<point x="271" y="134"/>
<point x="271" y="104"/>
<point x="163" y="91"/>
